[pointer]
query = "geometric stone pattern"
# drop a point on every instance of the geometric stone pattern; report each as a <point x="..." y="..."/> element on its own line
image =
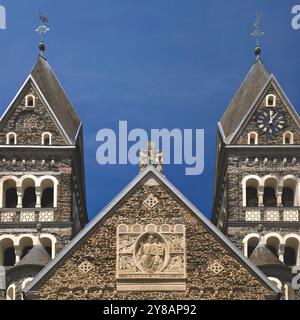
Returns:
<point x="46" y="216"/>
<point x="151" y="201"/>
<point x="7" y="216"/>
<point x="27" y="216"/>
<point x="85" y="267"/>
<point x="152" y="252"/>
<point x="216" y="267"/>
<point x="272" y="216"/>
<point x="291" y="215"/>
<point x="253" y="216"/>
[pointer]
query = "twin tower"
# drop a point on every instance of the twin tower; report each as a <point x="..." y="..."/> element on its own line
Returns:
<point x="42" y="198"/>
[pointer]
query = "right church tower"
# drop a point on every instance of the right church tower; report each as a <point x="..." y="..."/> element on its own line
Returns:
<point x="257" y="177"/>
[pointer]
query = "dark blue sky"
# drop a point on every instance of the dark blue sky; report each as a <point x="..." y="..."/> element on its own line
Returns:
<point x="155" y="63"/>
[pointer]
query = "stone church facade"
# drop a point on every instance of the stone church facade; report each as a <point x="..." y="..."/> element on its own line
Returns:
<point x="150" y="242"/>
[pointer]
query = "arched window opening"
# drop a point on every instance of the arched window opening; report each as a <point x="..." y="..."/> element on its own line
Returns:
<point x="7" y="253"/>
<point x="29" y="194"/>
<point x="273" y="244"/>
<point x="46" y="139"/>
<point x="270" y="198"/>
<point x="9" y="257"/>
<point x="252" y="138"/>
<point x="251" y="193"/>
<point x="252" y="244"/>
<point x="288" y="138"/>
<point x="288" y="197"/>
<point x="252" y="199"/>
<point x="288" y="192"/>
<point x="11" y="138"/>
<point x="47" y="198"/>
<point x="47" y="243"/>
<point x="30" y="101"/>
<point x="271" y="100"/>
<point x="29" y="198"/>
<point x="291" y="251"/>
<point x="289" y="256"/>
<point x="10" y="198"/>
<point x="26" y="245"/>
<point x="47" y="194"/>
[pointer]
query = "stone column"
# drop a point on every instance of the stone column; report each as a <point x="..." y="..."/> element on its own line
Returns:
<point x="281" y="252"/>
<point x="279" y="196"/>
<point x="20" y="197"/>
<point x="38" y="193"/>
<point x="18" y="253"/>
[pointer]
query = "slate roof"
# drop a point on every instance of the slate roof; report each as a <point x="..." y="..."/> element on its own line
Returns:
<point x="244" y="98"/>
<point x="56" y="97"/>
<point x="37" y="256"/>
<point x="150" y="171"/>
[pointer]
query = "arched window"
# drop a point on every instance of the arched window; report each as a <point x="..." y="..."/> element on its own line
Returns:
<point x="47" y="194"/>
<point x="7" y="253"/>
<point x="30" y="101"/>
<point x="10" y="198"/>
<point x="29" y="195"/>
<point x="288" y="192"/>
<point x="288" y="138"/>
<point x="47" y="243"/>
<point x="273" y="244"/>
<point x="26" y="245"/>
<point x="11" y="138"/>
<point x="252" y="244"/>
<point x="270" y="198"/>
<point x="291" y="251"/>
<point x="252" y="138"/>
<point x="251" y="193"/>
<point x="11" y="292"/>
<point x="46" y="139"/>
<point x="271" y="100"/>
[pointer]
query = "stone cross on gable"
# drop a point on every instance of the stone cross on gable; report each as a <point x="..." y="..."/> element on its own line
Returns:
<point x="151" y="156"/>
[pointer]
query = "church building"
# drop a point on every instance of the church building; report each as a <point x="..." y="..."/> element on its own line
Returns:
<point x="150" y="242"/>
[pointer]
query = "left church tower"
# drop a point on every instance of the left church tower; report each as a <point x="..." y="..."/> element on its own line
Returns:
<point x="42" y="185"/>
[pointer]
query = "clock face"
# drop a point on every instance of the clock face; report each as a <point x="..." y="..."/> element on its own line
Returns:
<point x="270" y="121"/>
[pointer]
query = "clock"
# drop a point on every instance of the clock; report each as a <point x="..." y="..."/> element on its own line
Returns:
<point x="270" y="121"/>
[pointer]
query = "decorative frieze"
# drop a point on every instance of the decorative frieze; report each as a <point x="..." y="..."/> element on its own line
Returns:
<point x="290" y="215"/>
<point x="272" y="215"/>
<point x="253" y="216"/>
<point x="27" y="216"/>
<point x="46" y="216"/>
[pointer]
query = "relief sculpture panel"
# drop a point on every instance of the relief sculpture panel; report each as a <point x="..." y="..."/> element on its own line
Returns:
<point x="150" y="257"/>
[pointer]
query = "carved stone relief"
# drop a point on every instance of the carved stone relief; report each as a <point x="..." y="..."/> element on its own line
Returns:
<point x="155" y="253"/>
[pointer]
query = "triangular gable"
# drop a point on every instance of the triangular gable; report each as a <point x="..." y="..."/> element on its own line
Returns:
<point x="63" y="255"/>
<point x="15" y="102"/>
<point x="272" y="81"/>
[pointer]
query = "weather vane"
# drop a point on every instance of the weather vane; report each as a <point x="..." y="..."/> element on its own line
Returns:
<point x="43" y="28"/>
<point x="257" y="32"/>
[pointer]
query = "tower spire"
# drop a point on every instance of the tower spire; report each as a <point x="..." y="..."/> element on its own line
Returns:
<point x="42" y="29"/>
<point x="257" y="33"/>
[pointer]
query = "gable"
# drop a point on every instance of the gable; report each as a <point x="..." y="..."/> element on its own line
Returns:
<point x="29" y="123"/>
<point x="188" y="257"/>
<point x="270" y="123"/>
